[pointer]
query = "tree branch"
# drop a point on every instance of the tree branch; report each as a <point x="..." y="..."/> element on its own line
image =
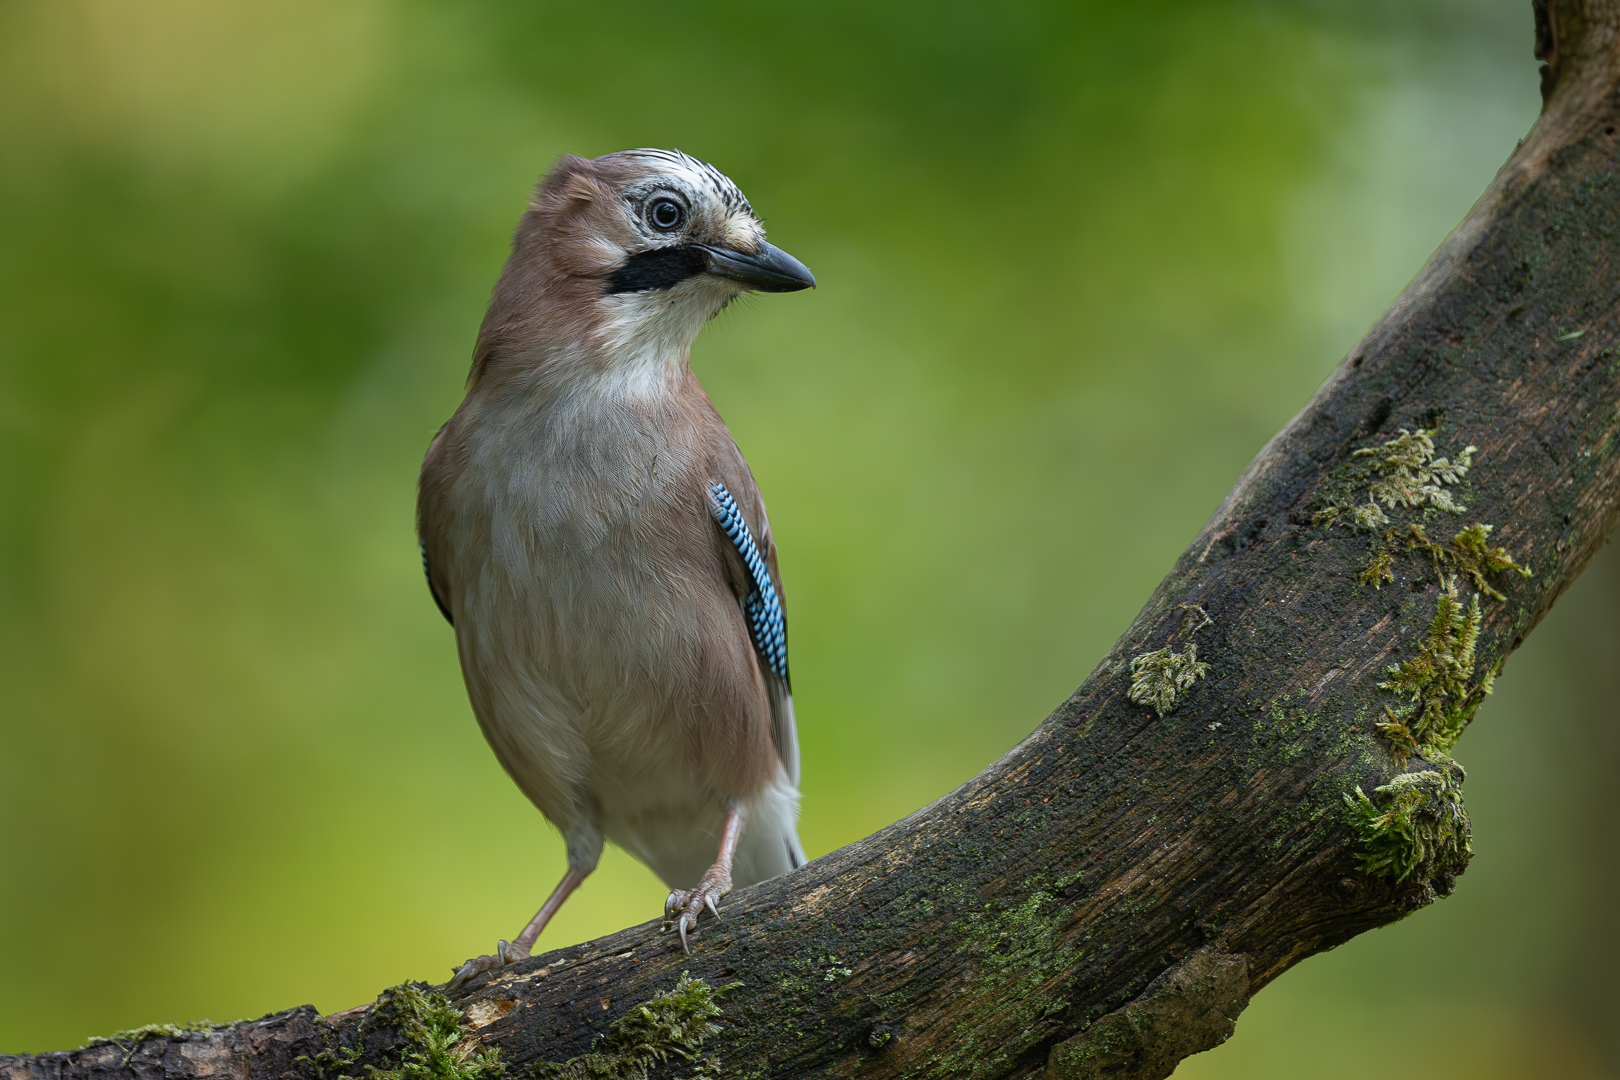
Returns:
<point x="1110" y="894"/>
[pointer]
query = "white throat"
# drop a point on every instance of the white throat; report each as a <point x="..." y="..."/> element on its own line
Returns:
<point x="648" y="335"/>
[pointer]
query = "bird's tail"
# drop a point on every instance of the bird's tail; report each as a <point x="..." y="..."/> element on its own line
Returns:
<point x="795" y="850"/>
<point x="770" y="841"/>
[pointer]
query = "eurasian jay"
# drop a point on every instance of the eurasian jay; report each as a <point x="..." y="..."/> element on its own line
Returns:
<point x="596" y="539"/>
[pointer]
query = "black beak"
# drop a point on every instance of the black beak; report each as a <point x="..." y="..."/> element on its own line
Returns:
<point x="772" y="270"/>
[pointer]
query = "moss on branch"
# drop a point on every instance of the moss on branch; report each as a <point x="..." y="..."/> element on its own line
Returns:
<point x="1421" y="832"/>
<point x="1159" y="677"/>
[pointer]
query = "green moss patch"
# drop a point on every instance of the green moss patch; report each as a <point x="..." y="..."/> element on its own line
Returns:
<point x="156" y="1031"/>
<point x="1017" y="945"/>
<point x="1437" y="680"/>
<point x="671" y="1027"/>
<point x="1417" y="828"/>
<point x="1421" y="831"/>
<point x="1469" y="553"/>
<point x="1159" y="678"/>
<point x="1403" y="472"/>
<point x="437" y="1044"/>
<point x="1379" y="568"/>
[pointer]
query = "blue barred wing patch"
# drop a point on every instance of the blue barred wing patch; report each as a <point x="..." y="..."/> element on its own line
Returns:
<point x="761" y="607"/>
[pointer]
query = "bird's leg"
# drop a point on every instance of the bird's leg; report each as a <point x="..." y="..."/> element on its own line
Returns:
<point x="685" y="905"/>
<point x="519" y="950"/>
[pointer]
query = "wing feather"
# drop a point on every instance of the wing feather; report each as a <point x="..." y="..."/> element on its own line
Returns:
<point x="430" y="469"/>
<point x="759" y="591"/>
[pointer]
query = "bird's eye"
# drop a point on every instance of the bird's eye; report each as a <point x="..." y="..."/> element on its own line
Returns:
<point x="664" y="214"/>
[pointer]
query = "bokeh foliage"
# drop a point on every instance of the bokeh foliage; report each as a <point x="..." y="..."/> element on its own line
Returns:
<point x="1078" y="262"/>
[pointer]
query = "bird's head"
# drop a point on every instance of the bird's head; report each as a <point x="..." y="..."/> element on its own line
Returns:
<point x="637" y="250"/>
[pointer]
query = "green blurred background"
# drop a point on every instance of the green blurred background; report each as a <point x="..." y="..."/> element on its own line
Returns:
<point x="1078" y="262"/>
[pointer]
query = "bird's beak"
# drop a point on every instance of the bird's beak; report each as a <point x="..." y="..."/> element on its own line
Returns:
<point x="771" y="270"/>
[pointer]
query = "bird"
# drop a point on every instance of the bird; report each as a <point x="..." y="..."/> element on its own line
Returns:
<point x="596" y="539"/>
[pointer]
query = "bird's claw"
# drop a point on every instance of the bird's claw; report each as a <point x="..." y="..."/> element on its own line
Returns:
<point x="478" y="965"/>
<point x="684" y="906"/>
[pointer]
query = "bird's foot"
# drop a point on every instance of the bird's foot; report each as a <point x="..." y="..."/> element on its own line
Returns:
<point x="685" y="905"/>
<point x="504" y="954"/>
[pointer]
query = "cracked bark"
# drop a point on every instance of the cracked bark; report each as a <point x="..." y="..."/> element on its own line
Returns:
<point x="1106" y="898"/>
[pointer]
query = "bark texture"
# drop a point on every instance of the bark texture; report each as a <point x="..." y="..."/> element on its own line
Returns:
<point x="1104" y="900"/>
